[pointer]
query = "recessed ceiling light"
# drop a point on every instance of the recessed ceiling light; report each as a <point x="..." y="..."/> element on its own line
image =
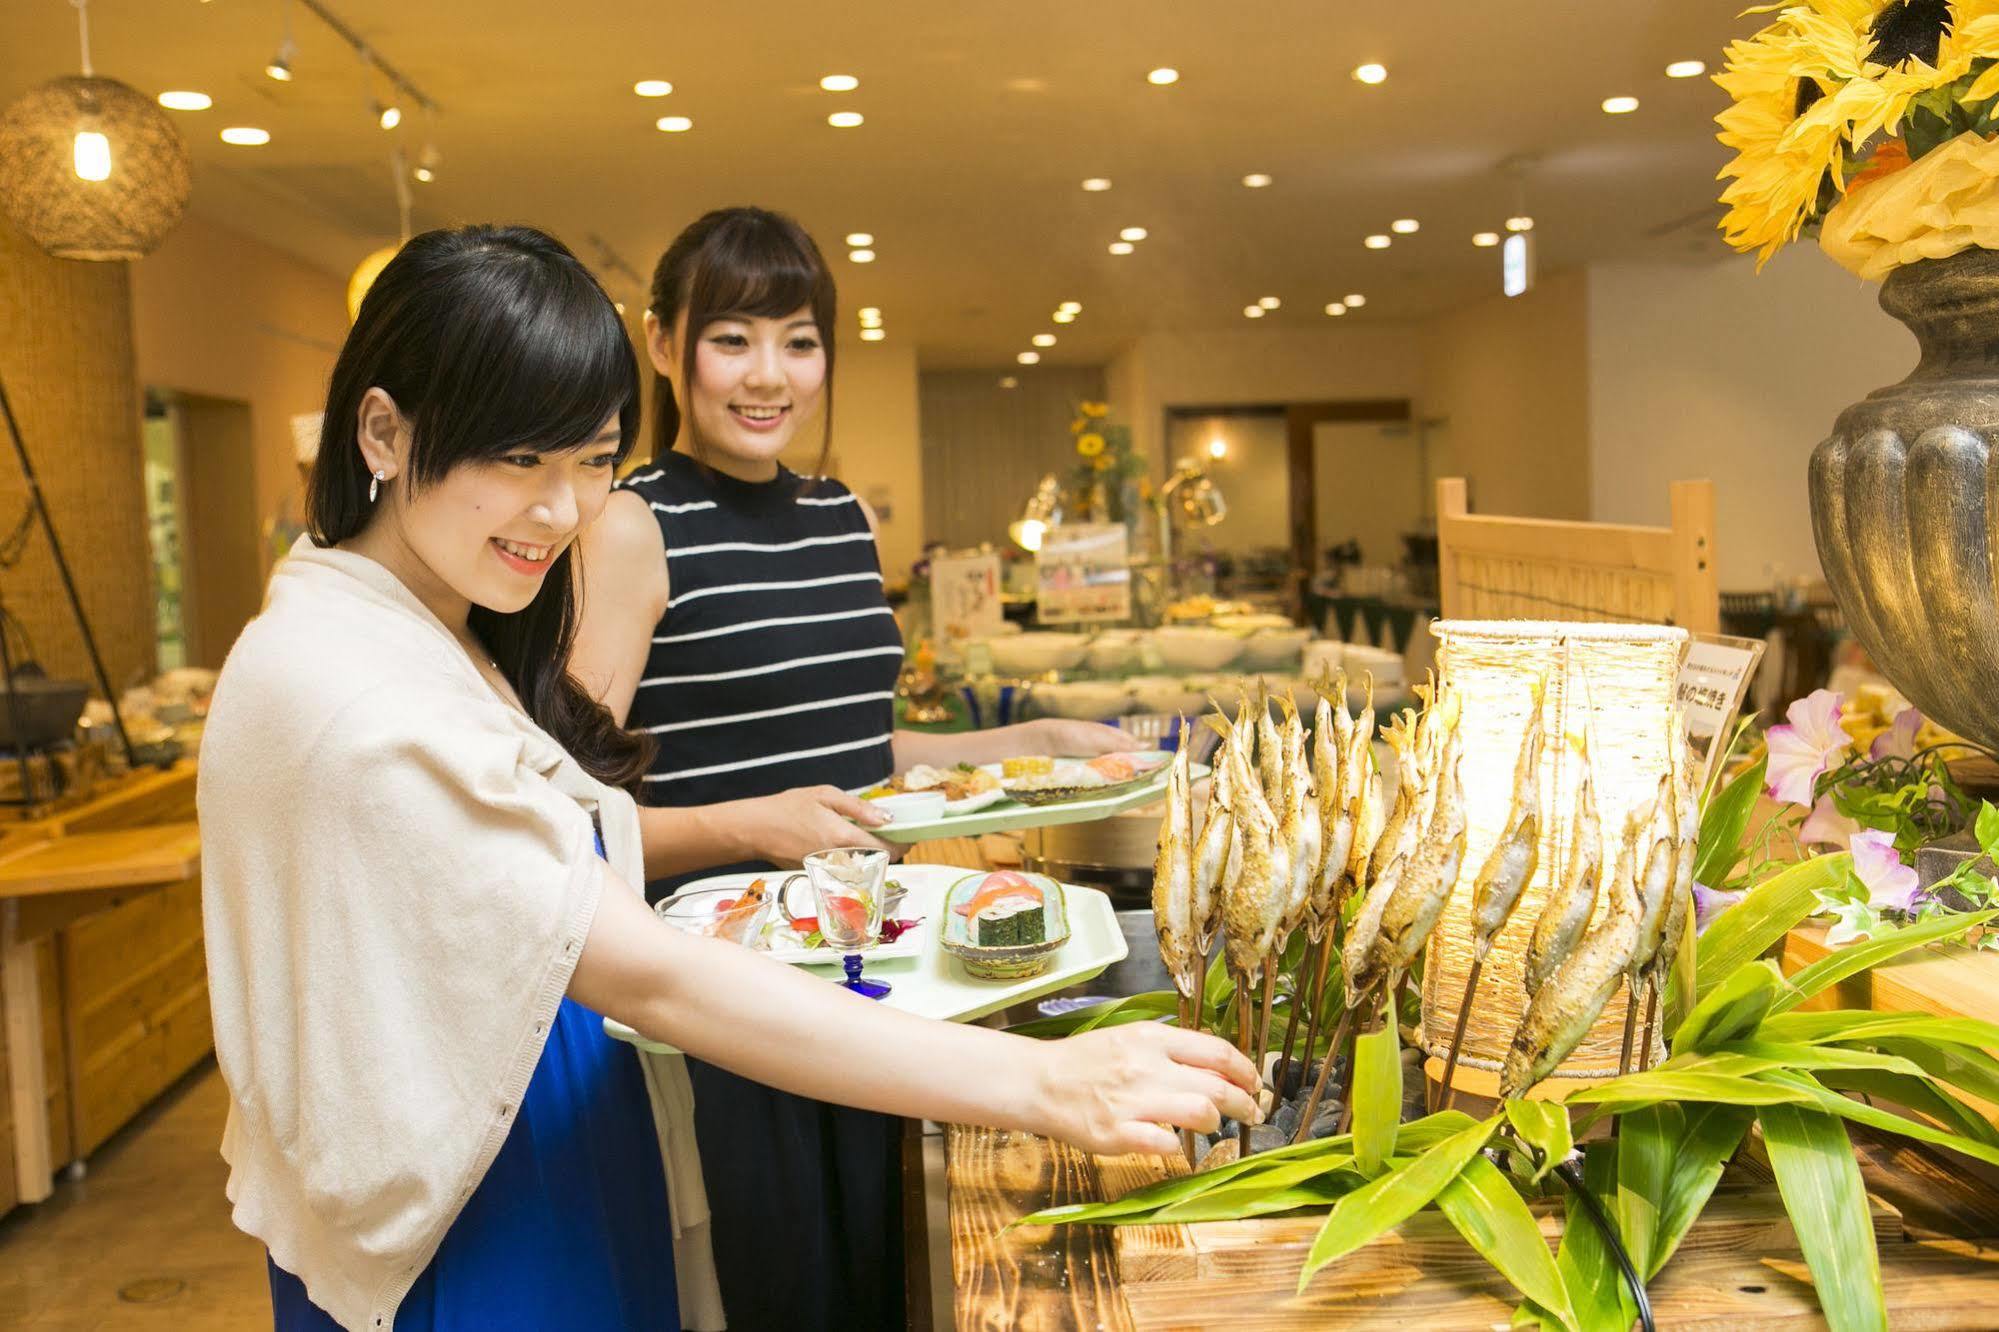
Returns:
<point x="1162" y="76"/>
<point x="1485" y="239"/>
<point x="1029" y="358"/>
<point x="1071" y="307"/>
<point x="870" y="313"/>
<point x="860" y="240"/>
<point x="424" y="175"/>
<point x="1354" y="300"/>
<point x="1336" y="309"/>
<point x="1008" y="382"/>
<point x="1522" y="223"/>
<point x="861" y="256"/>
<point x="652" y="87"/>
<point x="1132" y="234"/>
<point x="1122" y="247"/>
<point x="674" y="124"/>
<point x="1096" y="184"/>
<point x="1252" y="311"/>
<point x="839" y="83"/>
<point x="1256" y="180"/>
<point x="1378" y="241"/>
<point x="1063" y="317"/>
<point x="179" y="100"/>
<point x="1405" y="226"/>
<point x="873" y="334"/>
<point x="1618" y="106"/>
<point x="389" y="116"/>
<point x="1043" y="339"/>
<point x="246" y="136"/>
<point x="871" y="321"/>
<point x="1269" y="302"/>
<point x="1686" y="69"/>
<point x="845" y="119"/>
<point x="1370" y="73"/>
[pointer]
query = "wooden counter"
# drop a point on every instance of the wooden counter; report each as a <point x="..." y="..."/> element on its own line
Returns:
<point x="101" y="970"/>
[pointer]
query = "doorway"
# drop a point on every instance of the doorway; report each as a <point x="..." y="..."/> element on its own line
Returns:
<point x="201" y="508"/>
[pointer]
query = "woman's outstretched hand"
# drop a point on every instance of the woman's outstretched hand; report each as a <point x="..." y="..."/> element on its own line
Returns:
<point x="1110" y="1091"/>
<point x="789" y="826"/>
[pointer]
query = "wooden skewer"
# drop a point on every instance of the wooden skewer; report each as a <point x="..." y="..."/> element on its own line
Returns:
<point x="1651" y="1023"/>
<point x="1340" y="1034"/>
<point x="1447" y="1093"/>
<point x="1188" y="1007"/>
<point x="1306" y="965"/>
<point x="1630" y="1031"/>
<point x="1262" y="1042"/>
<point x="1318" y="1003"/>
<point x="1244" y="1028"/>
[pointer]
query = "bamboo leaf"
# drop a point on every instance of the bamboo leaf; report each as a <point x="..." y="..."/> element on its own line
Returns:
<point x="1233" y="1199"/>
<point x="1544" y="1126"/>
<point x="1730" y="1009"/>
<point x="1752" y="926"/>
<point x="1723" y="822"/>
<point x="1647" y="1139"/>
<point x="1860" y="1112"/>
<point x="1820" y="1182"/>
<point x="1812" y="1058"/>
<point x="1491" y="1216"/>
<point x="1683" y="981"/>
<point x="1850" y="1024"/>
<point x="1589" y="1273"/>
<point x="1377" y="1097"/>
<point x="1152" y="1004"/>
<point x="1860" y="956"/>
<point x="1710" y="1135"/>
<point x="1916" y="1093"/>
<point x="1961" y="1066"/>
<point x="1641" y="1089"/>
<point x="1393" y="1198"/>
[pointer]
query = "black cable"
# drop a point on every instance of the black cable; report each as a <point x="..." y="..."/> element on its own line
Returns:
<point x="1572" y="1176"/>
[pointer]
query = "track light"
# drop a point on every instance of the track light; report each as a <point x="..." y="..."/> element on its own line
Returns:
<point x="388" y="115"/>
<point x="280" y="67"/>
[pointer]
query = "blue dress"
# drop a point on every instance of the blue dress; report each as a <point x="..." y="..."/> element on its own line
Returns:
<point x="570" y="1227"/>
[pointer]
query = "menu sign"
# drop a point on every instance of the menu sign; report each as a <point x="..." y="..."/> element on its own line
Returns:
<point x="1083" y="572"/>
<point x="1714" y="679"/>
<point x="965" y="596"/>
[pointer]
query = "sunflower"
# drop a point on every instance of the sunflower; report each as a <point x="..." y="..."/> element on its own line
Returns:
<point x="1090" y="445"/>
<point x="1096" y="409"/>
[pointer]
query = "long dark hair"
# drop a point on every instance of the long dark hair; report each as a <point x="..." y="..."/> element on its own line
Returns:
<point x="740" y="262"/>
<point x="490" y="340"/>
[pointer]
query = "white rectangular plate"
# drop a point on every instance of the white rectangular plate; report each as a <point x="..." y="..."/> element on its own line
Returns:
<point x="934" y="984"/>
<point x="1009" y="815"/>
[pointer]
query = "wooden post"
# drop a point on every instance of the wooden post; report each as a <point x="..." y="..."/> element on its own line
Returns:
<point x="21" y="1003"/>
<point x="1696" y="591"/>
<point x="1452" y="504"/>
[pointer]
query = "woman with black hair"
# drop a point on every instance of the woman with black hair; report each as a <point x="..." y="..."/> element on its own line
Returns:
<point x="420" y="872"/>
<point x="733" y="613"/>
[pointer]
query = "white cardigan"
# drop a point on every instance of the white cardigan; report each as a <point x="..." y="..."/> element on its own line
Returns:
<point x="398" y="873"/>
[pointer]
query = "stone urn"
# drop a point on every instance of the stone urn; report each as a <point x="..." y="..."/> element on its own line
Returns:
<point x="1903" y="497"/>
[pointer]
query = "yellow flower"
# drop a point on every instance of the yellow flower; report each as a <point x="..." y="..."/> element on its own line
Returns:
<point x="1945" y="202"/>
<point x="1096" y="409"/>
<point x="1078" y="426"/>
<point x="1090" y="445"/>
<point x="1102" y="462"/>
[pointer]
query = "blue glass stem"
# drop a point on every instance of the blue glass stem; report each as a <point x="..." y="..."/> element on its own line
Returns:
<point x="872" y="989"/>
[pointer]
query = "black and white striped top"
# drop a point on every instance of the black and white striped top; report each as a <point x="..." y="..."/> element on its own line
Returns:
<point x="776" y="663"/>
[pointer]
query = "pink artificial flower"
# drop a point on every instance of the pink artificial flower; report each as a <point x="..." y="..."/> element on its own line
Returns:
<point x="1891" y="885"/>
<point x="1899" y="740"/>
<point x="1826" y="826"/>
<point x="1805" y="748"/>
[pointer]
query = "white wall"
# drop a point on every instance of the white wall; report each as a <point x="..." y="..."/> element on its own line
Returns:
<point x="1717" y="371"/>
<point x="877" y="450"/>
<point x="1274" y="362"/>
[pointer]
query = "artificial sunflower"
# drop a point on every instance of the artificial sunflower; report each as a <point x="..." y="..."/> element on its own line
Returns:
<point x="1090" y="445"/>
<point x="1096" y="409"/>
<point x="1101" y="461"/>
<point x="1079" y="425"/>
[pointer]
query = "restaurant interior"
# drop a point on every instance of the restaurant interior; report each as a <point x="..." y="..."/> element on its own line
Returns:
<point x="1187" y="355"/>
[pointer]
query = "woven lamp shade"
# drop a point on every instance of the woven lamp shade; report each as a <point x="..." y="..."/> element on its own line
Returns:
<point x="123" y="216"/>
<point x="1618" y="681"/>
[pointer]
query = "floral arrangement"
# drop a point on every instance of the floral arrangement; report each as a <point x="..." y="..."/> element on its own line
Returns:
<point x="1871" y="119"/>
<point x="1105" y="480"/>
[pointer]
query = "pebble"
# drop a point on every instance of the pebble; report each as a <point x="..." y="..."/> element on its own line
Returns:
<point x="1286" y="1118"/>
<point x="1220" y="1154"/>
<point x="1327" y="1122"/>
<point x="1263" y="1137"/>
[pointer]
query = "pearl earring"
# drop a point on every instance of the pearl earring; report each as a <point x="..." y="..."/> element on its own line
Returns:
<point x="375" y="485"/>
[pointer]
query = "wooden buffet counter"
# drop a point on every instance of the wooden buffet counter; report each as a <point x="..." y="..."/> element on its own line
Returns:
<point x="103" y="986"/>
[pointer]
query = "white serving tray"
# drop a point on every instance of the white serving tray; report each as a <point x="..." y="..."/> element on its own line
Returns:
<point x="1009" y="815"/>
<point x="933" y="984"/>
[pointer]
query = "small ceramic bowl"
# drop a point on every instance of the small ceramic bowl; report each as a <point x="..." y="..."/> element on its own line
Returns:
<point x="1013" y="963"/>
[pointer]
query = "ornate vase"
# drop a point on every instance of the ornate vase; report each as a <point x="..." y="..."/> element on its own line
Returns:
<point x="1903" y="495"/>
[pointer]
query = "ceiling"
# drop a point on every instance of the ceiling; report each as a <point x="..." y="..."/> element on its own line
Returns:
<point x="981" y="122"/>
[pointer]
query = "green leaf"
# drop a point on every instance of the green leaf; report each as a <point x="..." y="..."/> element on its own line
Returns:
<point x="1859" y="1024"/>
<point x="1595" y="1287"/>
<point x="1723" y="822"/>
<point x="1708" y="1137"/>
<point x="1917" y="1093"/>
<point x="1138" y="1007"/>
<point x="1761" y="919"/>
<point x="1854" y="958"/>
<point x="1987" y="825"/>
<point x="1641" y="1089"/>
<point x="1683" y="981"/>
<point x="1812" y="1058"/>
<point x="1232" y="1200"/>
<point x="1377" y="1097"/>
<point x="1730" y="1009"/>
<point x="1544" y="1126"/>
<point x="1860" y="1112"/>
<point x="1393" y="1198"/>
<point x="1961" y="1066"/>
<point x="1491" y="1216"/>
<point x="1820" y="1182"/>
<point x="1646" y="1142"/>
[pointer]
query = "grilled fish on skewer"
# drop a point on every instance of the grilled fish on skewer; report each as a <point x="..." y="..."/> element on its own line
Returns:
<point x="1219" y="845"/>
<point x="1660" y="847"/>
<point x="1570" y="903"/>
<point x="1680" y="895"/>
<point x="1568" y="1004"/>
<point x="1518" y="852"/>
<point x="1253" y="901"/>
<point x="1408" y="917"/>
<point x="1269" y="748"/>
<point x="1403" y="739"/>
<point x="1298" y="823"/>
<point x="1173" y="882"/>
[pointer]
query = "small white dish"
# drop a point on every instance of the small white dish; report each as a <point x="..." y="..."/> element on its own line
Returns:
<point x="912" y="806"/>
